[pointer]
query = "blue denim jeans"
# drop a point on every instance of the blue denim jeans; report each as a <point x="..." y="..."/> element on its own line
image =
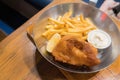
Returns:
<point x="99" y="3"/>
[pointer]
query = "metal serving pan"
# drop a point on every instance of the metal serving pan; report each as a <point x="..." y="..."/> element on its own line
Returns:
<point x="99" y="18"/>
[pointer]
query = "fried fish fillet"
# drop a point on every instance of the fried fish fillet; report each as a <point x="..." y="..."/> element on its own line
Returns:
<point x="74" y="51"/>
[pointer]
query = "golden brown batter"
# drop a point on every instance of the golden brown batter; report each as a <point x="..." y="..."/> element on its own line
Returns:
<point x="74" y="51"/>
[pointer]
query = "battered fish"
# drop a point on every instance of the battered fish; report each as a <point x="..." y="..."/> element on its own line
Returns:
<point x="74" y="51"/>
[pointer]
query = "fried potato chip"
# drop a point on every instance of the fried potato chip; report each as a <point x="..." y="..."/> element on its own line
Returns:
<point x="68" y="25"/>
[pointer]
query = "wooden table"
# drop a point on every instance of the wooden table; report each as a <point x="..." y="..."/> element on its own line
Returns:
<point x="19" y="59"/>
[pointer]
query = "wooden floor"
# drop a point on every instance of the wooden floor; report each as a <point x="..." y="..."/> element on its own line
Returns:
<point x="2" y="35"/>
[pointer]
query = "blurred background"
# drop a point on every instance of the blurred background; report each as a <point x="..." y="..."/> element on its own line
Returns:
<point x="13" y="13"/>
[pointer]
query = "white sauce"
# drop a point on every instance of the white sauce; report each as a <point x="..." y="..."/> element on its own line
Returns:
<point x="99" y="39"/>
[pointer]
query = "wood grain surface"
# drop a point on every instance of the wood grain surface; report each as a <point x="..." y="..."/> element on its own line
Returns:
<point x="19" y="59"/>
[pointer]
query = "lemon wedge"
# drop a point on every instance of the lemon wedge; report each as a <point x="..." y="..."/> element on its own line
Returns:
<point x="53" y="42"/>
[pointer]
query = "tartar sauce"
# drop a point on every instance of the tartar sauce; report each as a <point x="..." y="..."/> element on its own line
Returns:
<point x="99" y="39"/>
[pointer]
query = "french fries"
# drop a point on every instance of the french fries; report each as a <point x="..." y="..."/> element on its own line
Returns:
<point x="68" y="25"/>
